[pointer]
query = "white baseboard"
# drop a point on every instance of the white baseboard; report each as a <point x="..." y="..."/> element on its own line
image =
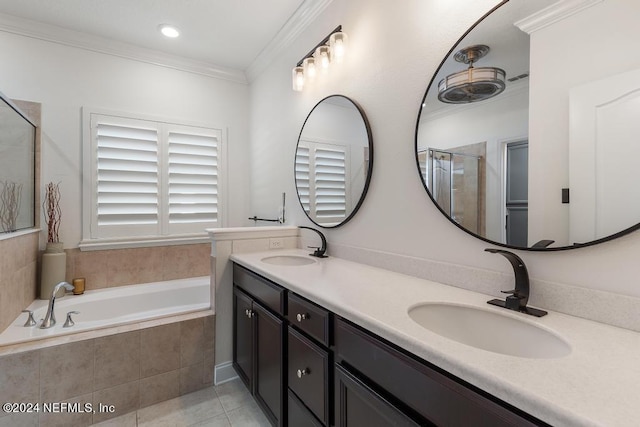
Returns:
<point x="224" y="372"/>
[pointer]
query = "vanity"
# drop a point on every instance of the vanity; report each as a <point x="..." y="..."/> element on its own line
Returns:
<point x="333" y="342"/>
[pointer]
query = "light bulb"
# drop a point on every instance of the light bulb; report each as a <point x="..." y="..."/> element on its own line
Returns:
<point x="297" y="76"/>
<point x="322" y="55"/>
<point x="338" y="44"/>
<point x="310" y="70"/>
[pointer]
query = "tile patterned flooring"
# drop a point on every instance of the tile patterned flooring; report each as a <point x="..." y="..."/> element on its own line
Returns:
<point x="225" y="405"/>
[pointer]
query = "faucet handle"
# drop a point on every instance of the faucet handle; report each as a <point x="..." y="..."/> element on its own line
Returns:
<point x="30" y="320"/>
<point x="514" y="293"/>
<point x="69" y="322"/>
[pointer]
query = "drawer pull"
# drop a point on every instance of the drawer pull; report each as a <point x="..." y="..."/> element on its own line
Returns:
<point x="301" y="317"/>
<point x="303" y="372"/>
<point x="248" y="313"/>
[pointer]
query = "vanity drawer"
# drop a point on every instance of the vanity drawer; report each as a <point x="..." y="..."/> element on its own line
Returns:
<point x="308" y="317"/>
<point x="422" y="387"/>
<point x="299" y="415"/>
<point x="308" y="374"/>
<point x="268" y="293"/>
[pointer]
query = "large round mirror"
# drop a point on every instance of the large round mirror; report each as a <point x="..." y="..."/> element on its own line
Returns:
<point x="334" y="157"/>
<point x="527" y="135"/>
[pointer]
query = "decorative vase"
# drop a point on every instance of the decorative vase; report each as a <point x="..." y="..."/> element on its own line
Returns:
<point x="54" y="269"/>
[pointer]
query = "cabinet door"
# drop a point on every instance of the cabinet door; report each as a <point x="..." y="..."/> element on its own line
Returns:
<point x="358" y="405"/>
<point x="243" y="337"/>
<point x="308" y="373"/>
<point x="269" y="374"/>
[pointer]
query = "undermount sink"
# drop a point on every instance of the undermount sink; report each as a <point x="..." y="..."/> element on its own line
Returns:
<point x="288" y="260"/>
<point x="489" y="330"/>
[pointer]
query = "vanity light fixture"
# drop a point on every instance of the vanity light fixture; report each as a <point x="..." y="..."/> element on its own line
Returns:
<point x="330" y="49"/>
<point x="169" y="31"/>
<point x="472" y="84"/>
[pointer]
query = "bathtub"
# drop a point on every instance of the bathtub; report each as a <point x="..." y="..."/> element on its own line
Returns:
<point x="105" y="308"/>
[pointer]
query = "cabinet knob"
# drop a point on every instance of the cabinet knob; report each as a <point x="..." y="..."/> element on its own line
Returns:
<point x="302" y="372"/>
<point x="248" y="313"/>
<point x="300" y="317"/>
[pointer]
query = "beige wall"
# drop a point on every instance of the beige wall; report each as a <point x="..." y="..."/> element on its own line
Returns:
<point x="119" y="267"/>
<point x="18" y="269"/>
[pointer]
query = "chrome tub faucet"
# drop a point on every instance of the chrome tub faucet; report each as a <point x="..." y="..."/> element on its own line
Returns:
<point x="50" y="318"/>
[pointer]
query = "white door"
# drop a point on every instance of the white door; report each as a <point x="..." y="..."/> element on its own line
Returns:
<point x="604" y="157"/>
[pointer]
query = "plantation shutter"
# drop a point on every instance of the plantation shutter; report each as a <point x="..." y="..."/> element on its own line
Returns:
<point x="193" y="179"/>
<point x="330" y="184"/>
<point x="153" y="179"/>
<point x="302" y="177"/>
<point x="126" y="178"/>
<point x="321" y="171"/>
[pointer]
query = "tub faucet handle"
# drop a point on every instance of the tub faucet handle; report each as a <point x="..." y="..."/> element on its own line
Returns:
<point x="69" y="322"/>
<point x="30" y="321"/>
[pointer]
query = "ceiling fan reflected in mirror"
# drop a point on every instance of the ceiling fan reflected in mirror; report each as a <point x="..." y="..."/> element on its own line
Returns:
<point x="473" y="84"/>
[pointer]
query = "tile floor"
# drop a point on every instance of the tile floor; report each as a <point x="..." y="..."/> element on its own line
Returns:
<point x="225" y="405"/>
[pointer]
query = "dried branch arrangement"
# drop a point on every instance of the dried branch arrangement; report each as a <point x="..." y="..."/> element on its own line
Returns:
<point x="10" y="197"/>
<point x="52" y="211"/>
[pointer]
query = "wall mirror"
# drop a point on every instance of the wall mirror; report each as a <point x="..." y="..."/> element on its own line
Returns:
<point x="527" y="135"/>
<point x="334" y="158"/>
<point x="17" y="168"/>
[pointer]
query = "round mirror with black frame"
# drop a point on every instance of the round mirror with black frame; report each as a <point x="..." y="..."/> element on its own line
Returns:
<point x="526" y="134"/>
<point x="333" y="162"/>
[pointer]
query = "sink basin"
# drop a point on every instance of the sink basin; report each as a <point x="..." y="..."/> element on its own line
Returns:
<point x="288" y="260"/>
<point x="489" y="330"/>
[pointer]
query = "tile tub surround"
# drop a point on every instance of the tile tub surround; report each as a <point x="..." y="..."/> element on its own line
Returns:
<point x="18" y="271"/>
<point x="129" y="370"/>
<point x="120" y="267"/>
<point x="597" y="384"/>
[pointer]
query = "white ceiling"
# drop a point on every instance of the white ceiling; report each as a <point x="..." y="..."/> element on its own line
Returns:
<point x="227" y="33"/>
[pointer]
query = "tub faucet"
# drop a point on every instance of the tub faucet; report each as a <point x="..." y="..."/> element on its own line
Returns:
<point x="518" y="297"/>
<point x="319" y="252"/>
<point x="50" y="318"/>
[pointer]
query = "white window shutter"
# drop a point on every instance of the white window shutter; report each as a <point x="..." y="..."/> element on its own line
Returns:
<point x="152" y="179"/>
<point x="126" y="178"/>
<point x="193" y="186"/>
<point x="330" y="184"/>
<point x="303" y="177"/>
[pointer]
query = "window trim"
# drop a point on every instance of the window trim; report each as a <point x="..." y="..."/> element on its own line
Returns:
<point x="88" y="177"/>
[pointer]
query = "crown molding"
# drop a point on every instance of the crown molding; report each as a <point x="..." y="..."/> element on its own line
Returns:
<point x="63" y="36"/>
<point x="295" y="25"/>
<point x="554" y="13"/>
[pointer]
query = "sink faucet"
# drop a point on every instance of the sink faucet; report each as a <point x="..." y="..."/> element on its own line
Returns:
<point x="319" y="252"/>
<point x="50" y="318"/>
<point x="519" y="296"/>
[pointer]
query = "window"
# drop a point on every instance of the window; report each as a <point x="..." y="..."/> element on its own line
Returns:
<point x="321" y="171"/>
<point x="150" y="179"/>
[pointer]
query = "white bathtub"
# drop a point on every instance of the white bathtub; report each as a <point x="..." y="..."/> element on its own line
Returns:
<point x="113" y="307"/>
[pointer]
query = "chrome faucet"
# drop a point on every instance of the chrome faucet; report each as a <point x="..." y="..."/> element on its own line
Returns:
<point x="319" y="251"/>
<point x="50" y="318"/>
<point x="519" y="296"/>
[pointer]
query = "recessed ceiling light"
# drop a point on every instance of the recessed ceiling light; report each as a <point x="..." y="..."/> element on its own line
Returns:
<point x="169" y="31"/>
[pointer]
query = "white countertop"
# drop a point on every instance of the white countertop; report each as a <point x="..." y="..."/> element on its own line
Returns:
<point x="597" y="384"/>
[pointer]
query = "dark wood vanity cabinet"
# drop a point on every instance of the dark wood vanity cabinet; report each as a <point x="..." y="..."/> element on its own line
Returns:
<point x="259" y="341"/>
<point x="309" y="367"/>
<point x="309" y="360"/>
<point x="394" y="380"/>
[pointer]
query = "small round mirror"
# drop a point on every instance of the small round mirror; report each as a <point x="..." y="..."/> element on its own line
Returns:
<point x="334" y="157"/>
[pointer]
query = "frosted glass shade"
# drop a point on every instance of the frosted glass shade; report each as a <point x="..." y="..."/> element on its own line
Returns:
<point x="297" y="77"/>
